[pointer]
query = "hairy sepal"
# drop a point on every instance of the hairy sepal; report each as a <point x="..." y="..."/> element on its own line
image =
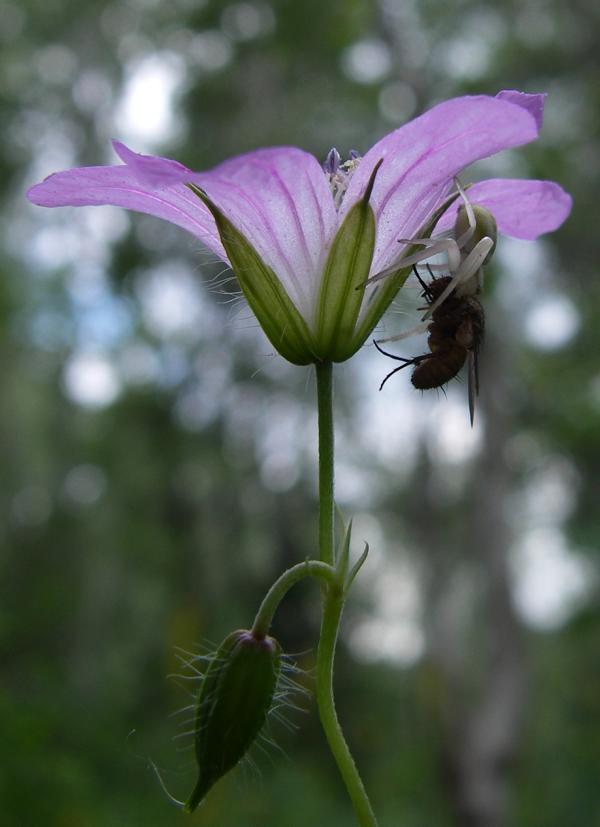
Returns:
<point x="276" y="313"/>
<point x="235" y="698"/>
<point x="344" y="280"/>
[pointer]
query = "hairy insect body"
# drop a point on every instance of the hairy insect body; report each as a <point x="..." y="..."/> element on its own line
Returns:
<point x="456" y="329"/>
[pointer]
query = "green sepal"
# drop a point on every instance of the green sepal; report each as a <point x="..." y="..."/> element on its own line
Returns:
<point x="344" y="279"/>
<point x="284" y="326"/>
<point x="236" y="695"/>
<point x="384" y="292"/>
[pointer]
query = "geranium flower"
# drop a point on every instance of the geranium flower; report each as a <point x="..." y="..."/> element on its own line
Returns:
<point x="303" y="238"/>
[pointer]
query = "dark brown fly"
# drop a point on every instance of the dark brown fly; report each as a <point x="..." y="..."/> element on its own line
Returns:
<point x="455" y="335"/>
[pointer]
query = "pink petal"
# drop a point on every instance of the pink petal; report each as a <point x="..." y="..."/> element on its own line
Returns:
<point x="121" y="186"/>
<point x="152" y="169"/>
<point x="278" y="198"/>
<point x="422" y="157"/>
<point x="522" y="208"/>
<point x="534" y="103"/>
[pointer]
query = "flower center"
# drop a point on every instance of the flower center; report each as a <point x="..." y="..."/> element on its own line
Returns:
<point x="339" y="173"/>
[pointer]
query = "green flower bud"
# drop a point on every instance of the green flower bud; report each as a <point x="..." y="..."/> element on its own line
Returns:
<point x="485" y="227"/>
<point x="236" y="695"/>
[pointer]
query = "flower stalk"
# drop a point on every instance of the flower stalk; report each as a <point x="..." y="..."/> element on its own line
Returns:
<point x="333" y="596"/>
<point x="324" y="371"/>
<point x="333" y="605"/>
<point x="335" y="581"/>
<point x="279" y="589"/>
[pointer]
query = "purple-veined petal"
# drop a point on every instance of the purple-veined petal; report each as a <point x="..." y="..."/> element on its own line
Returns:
<point x="280" y="200"/>
<point x="277" y="197"/>
<point x="422" y="157"/>
<point x="153" y="170"/>
<point x="522" y="208"/>
<point x="533" y="103"/>
<point x="121" y="186"/>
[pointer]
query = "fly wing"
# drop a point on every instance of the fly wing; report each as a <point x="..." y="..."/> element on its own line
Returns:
<point x="473" y="367"/>
<point x="477" y="318"/>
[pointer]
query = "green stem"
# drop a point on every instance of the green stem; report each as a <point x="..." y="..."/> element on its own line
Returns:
<point x="333" y="605"/>
<point x="279" y="589"/>
<point x="326" y="448"/>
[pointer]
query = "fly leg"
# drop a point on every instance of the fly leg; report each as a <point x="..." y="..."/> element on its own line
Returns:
<point x="407" y="362"/>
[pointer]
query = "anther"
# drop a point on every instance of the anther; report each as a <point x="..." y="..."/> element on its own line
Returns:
<point x="333" y="161"/>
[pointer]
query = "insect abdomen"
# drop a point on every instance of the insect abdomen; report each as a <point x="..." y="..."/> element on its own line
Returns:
<point x="439" y="368"/>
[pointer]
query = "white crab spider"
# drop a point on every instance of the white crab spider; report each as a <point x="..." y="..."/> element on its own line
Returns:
<point x="465" y="259"/>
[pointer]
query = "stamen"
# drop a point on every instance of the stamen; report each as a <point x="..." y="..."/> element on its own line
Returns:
<point x="333" y="161"/>
<point x="339" y="173"/>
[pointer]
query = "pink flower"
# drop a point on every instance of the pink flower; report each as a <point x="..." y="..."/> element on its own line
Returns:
<point x="303" y="240"/>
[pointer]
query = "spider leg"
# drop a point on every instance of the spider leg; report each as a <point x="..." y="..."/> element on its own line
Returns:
<point x="425" y="242"/>
<point x="435" y="246"/>
<point x="468" y="233"/>
<point x="414" y="331"/>
<point x="468" y="268"/>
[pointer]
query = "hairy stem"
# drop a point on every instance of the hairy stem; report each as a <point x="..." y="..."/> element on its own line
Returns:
<point x="333" y="605"/>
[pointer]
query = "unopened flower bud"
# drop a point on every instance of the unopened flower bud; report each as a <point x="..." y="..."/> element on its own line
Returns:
<point x="236" y="695"/>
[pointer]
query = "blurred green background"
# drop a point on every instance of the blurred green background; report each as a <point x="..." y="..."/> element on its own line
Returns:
<point x="158" y="463"/>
